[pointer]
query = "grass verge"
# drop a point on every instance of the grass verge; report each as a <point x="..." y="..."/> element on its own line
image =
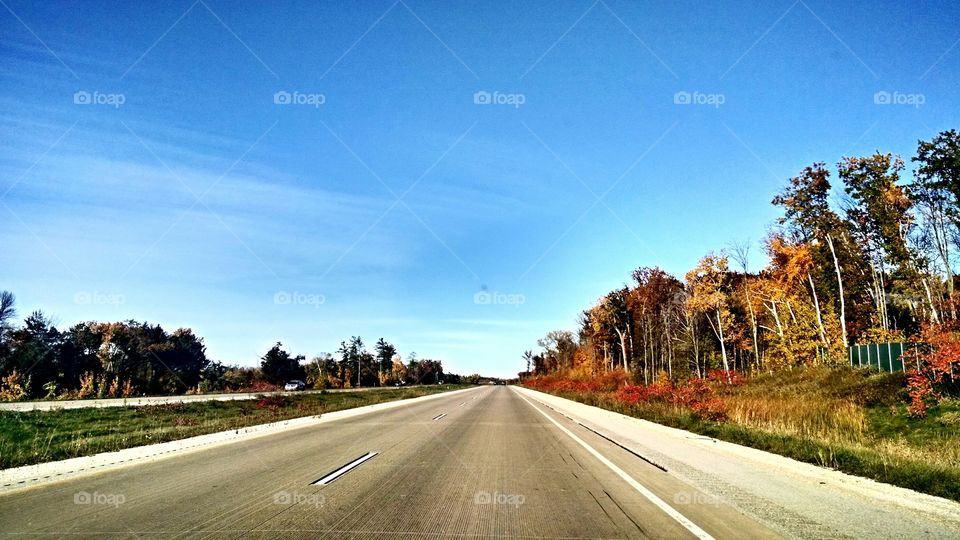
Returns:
<point x="852" y="421"/>
<point x="27" y="438"/>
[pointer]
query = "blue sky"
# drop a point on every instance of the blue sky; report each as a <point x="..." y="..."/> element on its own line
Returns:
<point x="384" y="198"/>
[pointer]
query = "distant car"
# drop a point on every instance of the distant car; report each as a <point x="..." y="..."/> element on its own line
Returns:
<point x="294" y="385"/>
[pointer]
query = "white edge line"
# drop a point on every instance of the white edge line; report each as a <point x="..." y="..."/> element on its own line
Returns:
<point x="345" y="469"/>
<point x="660" y="503"/>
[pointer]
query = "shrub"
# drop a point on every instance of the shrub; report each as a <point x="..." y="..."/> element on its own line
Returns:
<point x="88" y="386"/>
<point x="273" y="402"/>
<point x="12" y="388"/>
<point x="935" y="376"/>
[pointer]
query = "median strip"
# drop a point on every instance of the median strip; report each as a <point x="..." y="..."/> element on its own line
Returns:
<point x="329" y="478"/>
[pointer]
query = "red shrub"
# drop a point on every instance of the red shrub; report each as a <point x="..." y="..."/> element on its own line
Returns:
<point x="272" y="402"/>
<point x="731" y="377"/>
<point x="695" y="394"/>
<point x="631" y="395"/>
<point x="608" y="382"/>
<point x="921" y="393"/>
<point x="710" y="409"/>
<point x="261" y="386"/>
<point x="937" y="369"/>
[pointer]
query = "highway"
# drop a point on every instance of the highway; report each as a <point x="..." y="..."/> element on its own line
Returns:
<point x="489" y="462"/>
<point x="485" y="463"/>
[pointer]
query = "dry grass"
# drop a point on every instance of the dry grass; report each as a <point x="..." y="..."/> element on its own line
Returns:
<point x="828" y="420"/>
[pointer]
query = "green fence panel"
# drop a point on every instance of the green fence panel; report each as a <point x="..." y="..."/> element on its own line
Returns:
<point x="883" y="357"/>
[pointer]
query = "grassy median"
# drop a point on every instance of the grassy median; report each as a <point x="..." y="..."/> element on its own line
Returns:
<point x="850" y="420"/>
<point x="33" y="437"/>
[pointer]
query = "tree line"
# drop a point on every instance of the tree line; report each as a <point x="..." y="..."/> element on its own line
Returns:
<point x="354" y="366"/>
<point x="870" y="262"/>
<point x="131" y="358"/>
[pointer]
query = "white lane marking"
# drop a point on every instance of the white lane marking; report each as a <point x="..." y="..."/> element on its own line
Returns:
<point x="677" y="516"/>
<point x="344" y="470"/>
<point x="439" y="416"/>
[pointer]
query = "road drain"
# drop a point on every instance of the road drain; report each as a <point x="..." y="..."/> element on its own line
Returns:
<point x="337" y="473"/>
<point x="439" y="416"/>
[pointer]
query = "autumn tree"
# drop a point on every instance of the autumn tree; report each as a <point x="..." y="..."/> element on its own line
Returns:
<point x="709" y="295"/>
<point x="936" y="192"/>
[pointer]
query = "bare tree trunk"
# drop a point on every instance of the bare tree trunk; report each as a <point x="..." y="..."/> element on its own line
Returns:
<point x="793" y="316"/>
<point x="723" y="346"/>
<point x="943" y="246"/>
<point x="843" y="314"/>
<point x="741" y="253"/>
<point x="623" y="349"/>
<point x="934" y="316"/>
<point x="816" y="307"/>
<point x="882" y="297"/>
<point x="772" y="308"/>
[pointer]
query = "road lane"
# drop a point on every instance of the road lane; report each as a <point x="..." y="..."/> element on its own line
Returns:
<point x="492" y="466"/>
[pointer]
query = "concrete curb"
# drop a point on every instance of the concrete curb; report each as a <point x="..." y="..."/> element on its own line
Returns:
<point x="29" y="476"/>
<point x="25" y="406"/>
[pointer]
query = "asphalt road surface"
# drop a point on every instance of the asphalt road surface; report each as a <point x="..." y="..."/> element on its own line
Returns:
<point x="485" y="463"/>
